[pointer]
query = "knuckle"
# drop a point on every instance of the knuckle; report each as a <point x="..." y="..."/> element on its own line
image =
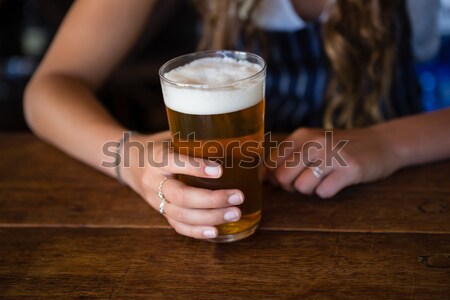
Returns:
<point x="213" y="217"/>
<point x="178" y="213"/>
<point x="302" y="187"/>
<point x="164" y="158"/>
<point x="281" y="177"/>
<point x="146" y="181"/>
<point x="150" y="199"/>
<point x="356" y="169"/>
<point x="300" y="132"/>
<point x="180" y="197"/>
<point x="217" y="198"/>
<point x="217" y="218"/>
<point x="157" y="153"/>
<point x="174" y="157"/>
<point x="308" y="134"/>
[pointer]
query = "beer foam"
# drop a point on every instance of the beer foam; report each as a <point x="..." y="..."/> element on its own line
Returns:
<point x="227" y="95"/>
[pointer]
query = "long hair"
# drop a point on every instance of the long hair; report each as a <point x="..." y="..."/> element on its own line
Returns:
<point x="224" y="21"/>
<point x="359" y="42"/>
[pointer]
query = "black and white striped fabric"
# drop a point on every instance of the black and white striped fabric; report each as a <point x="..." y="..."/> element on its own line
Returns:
<point x="297" y="77"/>
<point x="298" y="74"/>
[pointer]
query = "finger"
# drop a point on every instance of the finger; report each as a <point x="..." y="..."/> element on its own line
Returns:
<point x="288" y="171"/>
<point x="296" y="157"/>
<point x="186" y="196"/>
<point x="333" y="183"/>
<point x="278" y="157"/>
<point x="279" y="154"/>
<point x="285" y="148"/>
<point x="207" y="217"/>
<point x="177" y="163"/>
<point x="294" y="166"/>
<point x="198" y="232"/>
<point x="310" y="178"/>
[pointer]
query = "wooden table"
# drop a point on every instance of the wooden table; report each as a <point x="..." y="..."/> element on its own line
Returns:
<point x="69" y="232"/>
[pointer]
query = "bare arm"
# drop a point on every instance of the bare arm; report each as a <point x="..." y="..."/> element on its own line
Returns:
<point x="371" y="153"/>
<point x="60" y="105"/>
<point x="417" y="139"/>
<point x="61" y="108"/>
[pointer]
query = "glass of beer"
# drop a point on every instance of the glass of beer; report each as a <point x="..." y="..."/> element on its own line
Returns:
<point x="215" y="106"/>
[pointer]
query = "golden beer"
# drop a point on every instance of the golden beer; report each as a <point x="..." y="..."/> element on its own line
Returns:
<point x="221" y="119"/>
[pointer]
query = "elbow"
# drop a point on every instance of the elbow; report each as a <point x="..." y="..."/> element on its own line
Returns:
<point x="34" y="105"/>
<point x="29" y="104"/>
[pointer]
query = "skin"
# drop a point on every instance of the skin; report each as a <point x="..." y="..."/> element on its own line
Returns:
<point x="371" y="153"/>
<point x="61" y="108"/>
<point x="309" y="10"/>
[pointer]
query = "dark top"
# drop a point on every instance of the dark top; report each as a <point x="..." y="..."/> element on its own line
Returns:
<point x="298" y="74"/>
<point x="297" y="78"/>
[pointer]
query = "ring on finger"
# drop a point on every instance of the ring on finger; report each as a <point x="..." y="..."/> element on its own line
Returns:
<point x="161" y="196"/>
<point x="318" y="172"/>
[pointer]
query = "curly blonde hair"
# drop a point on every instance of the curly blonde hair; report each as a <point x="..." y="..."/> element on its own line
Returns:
<point x="358" y="39"/>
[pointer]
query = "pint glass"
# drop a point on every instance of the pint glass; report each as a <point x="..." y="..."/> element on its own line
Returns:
<point x="215" y="106"/>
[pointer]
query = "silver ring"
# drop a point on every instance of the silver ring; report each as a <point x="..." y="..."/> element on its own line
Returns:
<point x="318" y="172"/>
<point x="161" y="195"/>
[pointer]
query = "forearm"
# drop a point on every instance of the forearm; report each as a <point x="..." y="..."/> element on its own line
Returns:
<point x="65" y="112"/>
<point x="417" y="139"/>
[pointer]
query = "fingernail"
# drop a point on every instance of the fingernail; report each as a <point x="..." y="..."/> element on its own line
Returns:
<point x="236" y="199"/>
<point x="231" y="216"/>
<point x="212" y="171"/>
<point x="209" y="233"/>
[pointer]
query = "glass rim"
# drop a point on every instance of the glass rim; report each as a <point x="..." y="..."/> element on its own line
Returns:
<point x="204" y="54"/>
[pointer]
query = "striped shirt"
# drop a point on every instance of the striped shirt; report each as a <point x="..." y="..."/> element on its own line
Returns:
<point x="298" y="74"/>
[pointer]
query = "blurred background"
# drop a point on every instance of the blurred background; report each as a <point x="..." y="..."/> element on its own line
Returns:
<point x="28" y="26"/>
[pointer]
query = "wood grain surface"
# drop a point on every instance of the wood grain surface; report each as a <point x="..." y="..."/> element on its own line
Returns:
<point x="157" y="263"/>
<point x="69" y="232"/>
<point x="39" y="186"/>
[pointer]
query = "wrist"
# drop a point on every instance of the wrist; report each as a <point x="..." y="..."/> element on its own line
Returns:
<point x="396" y="152"/>
<point x="131" y="153"/>
<point x="135" y="157"/>
<point x="122" y="156"/>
